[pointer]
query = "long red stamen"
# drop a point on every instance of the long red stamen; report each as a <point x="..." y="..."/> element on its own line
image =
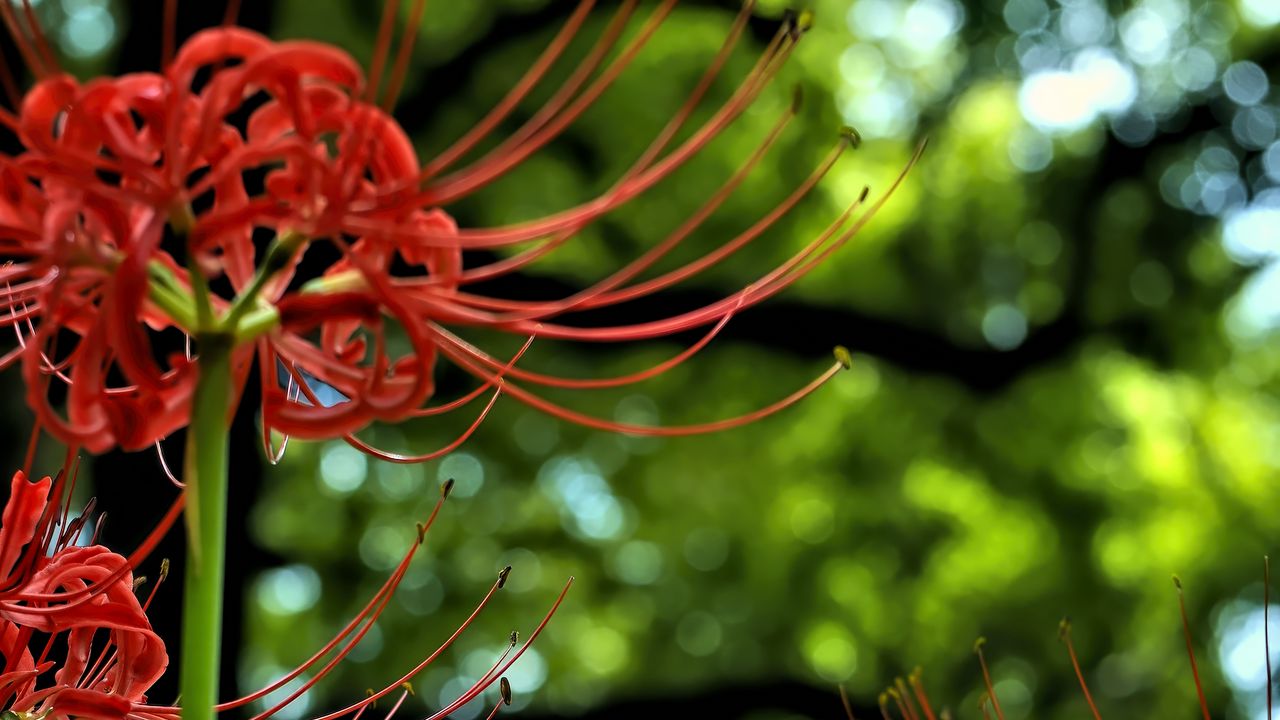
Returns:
<point x="770" y="284"/>
<point x="1064" y="633"/>
<point x="494" y="712"/>
<point x="599" y="383"/>
<point x="459" y="184"/>
<point x="777" y="280"/>
<point x="157" y="533"/>
<point x="1191" y="655"/>
<point x="408" y="690"/>
<point x="47" y="527"/>
<point x="488" y="680"/>
<point x="557" y="101"/>
<point x="452" y="445"/>
<point x="906" y="698"/>
<point x="763" y="287"/>
<point x="418" y="668"/>
<point x="1266" y="624"/>
<point x="94" y="672"/>
<point x="33" y="442"/>
<point x="844" y="700"/>
<point x="381" y="49"/>
<point x="564" y="413"/>
<point x="384" y="592"/>
<point x="232" y="12"/>
<point x="334" y="661"/>
<point x="168" y="40"/>
<point x="72" y="481"/>
<point x="403" y="54"/>
<point x="37" y="33"/>
<point x="986" y="677"/>
<point x="585" y="297"/>
<point x="456" y="442"/>
<point x="897" y="698"/>
<point x="603" y="294"/>
<point x="80" y="523"/>
<point x="445" y="408"/>
<point x="496" y="667"/>
<point x="531" y="78"/>
<point x="463" y="183"/>
<point x="655" y="147"/>
<point x="918" y="687"/>
<point x="28" y="53"/>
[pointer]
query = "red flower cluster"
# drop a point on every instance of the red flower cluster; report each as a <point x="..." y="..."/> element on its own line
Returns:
<point x="81" y="601"/>
<point x="134" y="195"/>
<point x="78" y="603"/>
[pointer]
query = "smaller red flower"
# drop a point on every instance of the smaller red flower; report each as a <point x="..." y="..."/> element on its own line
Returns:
<point x="82" y="601"/>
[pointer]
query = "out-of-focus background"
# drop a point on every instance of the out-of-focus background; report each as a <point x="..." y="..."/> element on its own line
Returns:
<point x="1063" y="389"/>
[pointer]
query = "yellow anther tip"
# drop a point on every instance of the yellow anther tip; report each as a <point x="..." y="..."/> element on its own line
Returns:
<point x="843" y="356"/>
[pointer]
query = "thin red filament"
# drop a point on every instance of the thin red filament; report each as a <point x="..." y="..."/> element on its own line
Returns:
<point x="1266" y="624"/>
<point x="1064" y="632"/>
<point x="1191" y="655"/>
<point x="918" y="687"/>
<point x="844" y="701"/>
<point x="986" y="679"/>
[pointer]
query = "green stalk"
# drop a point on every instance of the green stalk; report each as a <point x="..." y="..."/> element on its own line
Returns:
<point x="206" y="477"/>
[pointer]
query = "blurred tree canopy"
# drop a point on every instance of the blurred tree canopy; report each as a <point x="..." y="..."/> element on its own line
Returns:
<point x="1063" y="391"/>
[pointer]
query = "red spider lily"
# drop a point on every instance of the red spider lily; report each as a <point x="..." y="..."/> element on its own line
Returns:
<point x="74" y="594"/>
<point x="78" y="598"/>
<point x="109" y="167"/>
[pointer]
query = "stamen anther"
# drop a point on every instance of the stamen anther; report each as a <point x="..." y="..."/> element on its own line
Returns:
<point x="843" y="356"/>
<point x="801" y="24"/>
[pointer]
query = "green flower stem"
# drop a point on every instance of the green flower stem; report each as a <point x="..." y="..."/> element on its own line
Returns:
<point x="200" y="293"/>
<point x="279" y="254"/>
<point x="206" y="513"/>
<point x="255" y="324"/>
<point x="168" y="294"/>
<point x="206" y="455"/>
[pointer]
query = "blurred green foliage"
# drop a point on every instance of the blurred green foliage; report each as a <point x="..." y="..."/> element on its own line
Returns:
<point x="1063" y="388"/>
